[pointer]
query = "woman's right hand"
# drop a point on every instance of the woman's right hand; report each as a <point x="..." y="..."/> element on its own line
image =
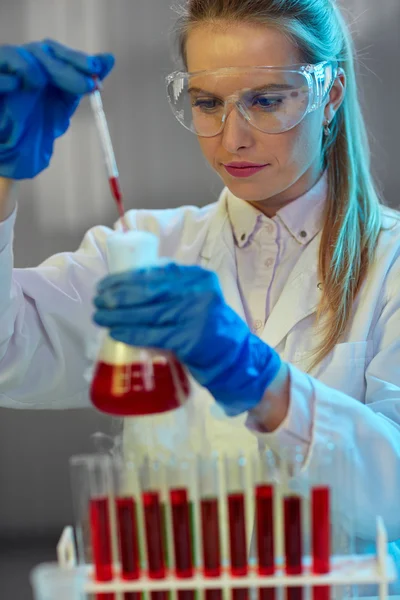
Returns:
<point x="41" y="85"/>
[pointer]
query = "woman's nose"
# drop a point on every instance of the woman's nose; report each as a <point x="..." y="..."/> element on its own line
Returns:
<point x="237" y="131"/>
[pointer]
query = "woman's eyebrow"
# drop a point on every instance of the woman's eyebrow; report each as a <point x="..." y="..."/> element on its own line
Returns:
<point x="272" y="87"/>
<point x="269" y="87"/>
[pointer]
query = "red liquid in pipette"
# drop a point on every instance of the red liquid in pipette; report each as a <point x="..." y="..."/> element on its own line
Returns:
<point x="154" y="537"/>
<point x="265" y="536"/>
<point x="117" y="195"/>
<point x="182" y="538"/>
<point x="293" y="543"/>
<point x="121" y="389"/>
<point x="237" y="542"/>
<point x="128" y="542"/>
<point x="211" y="543"/>
<point x="101" y="542"/>
<point x="321" y="543"/>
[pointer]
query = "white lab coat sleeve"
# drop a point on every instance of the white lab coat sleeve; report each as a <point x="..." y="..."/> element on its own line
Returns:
<point x="366" y="435"/>
<point x="45" y="323"/>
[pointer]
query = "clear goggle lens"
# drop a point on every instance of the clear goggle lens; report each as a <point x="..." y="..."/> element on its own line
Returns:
<point x="272" y="100"/>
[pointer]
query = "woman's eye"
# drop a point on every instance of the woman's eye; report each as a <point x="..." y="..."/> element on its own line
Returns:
<point x="268" y="102"/>
<point x="206" y="104"/>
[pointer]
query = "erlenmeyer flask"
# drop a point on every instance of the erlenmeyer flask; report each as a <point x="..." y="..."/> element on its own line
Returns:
<point x="131" y="381"/>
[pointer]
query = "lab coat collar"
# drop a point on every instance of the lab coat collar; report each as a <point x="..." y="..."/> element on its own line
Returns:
<point x="302" y="218"/>
<point x="243" y="218"/>
<point x="300" y="296"/>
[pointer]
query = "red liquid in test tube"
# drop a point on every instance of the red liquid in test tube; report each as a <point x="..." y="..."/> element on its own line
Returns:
<point x="237" y="541"/>
<point x="293" y="543"/>
<point x="211" y="543"/>
<point x="128" y="542"/>
<point x="124" y="389"/>
<point x="265" y="536"/>
<point x="153" y="520"/>
<point x="101" y="542"/>
<point x="320" y="508"/>
<point x="182" y="538"/>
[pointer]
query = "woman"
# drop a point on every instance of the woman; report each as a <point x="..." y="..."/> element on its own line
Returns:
<point x="300" y="339"/>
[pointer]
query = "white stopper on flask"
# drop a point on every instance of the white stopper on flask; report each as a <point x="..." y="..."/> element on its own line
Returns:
<point x="131" y="250"/>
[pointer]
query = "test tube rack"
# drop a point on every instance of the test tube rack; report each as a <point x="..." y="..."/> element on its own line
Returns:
<point x="344" y="569"/>
<point x="378" y="569"/>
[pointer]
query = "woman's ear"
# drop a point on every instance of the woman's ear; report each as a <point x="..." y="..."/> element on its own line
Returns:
<point x="336" y="96"/>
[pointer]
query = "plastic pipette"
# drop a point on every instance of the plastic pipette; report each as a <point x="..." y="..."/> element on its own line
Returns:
<point x="108" y="151"/>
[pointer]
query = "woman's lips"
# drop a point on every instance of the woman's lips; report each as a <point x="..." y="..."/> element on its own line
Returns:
<point x="243" y="169"/>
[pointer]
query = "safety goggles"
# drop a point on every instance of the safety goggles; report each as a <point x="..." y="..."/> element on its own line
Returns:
<point x="272" y="99"/>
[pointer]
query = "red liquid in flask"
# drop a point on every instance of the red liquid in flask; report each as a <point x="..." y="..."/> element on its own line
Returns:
<point x="293" y="543"/>
<point x="265" y="536"/>
<point x="101" y="542"/>
<point x="124" y="389"/>
<point x="237" y="542"/>
<point x="182" y="538"/>
<point x="321" y="543"/>
<point x="128" y="542"/>
<point x="153" y="521"/>
<point x="211" y="543"/>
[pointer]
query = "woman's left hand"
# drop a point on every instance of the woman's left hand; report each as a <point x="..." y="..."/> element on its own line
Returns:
<point x="182" y="309"/>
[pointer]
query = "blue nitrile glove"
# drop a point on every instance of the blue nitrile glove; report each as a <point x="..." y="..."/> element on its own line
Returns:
<point x="182" y="309"/>
<point x="41" y="85"/>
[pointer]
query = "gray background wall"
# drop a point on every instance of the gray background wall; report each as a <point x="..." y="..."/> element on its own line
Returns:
<point x="161" y="166"/>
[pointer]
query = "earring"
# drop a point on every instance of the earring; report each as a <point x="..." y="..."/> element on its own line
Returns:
<point x="327" y="131"/>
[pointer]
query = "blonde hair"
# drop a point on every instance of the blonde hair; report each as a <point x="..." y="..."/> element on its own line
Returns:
<point x="353" y="218"/>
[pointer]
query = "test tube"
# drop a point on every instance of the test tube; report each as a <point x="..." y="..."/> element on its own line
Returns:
<point x="293" y="542"/>
<point x="320" y="473"/>
<point x="79" y="475"/>
<point x="154" y="521"/>
<point x="235" y="469"/>
<point x="210" y="523"/>
<point x="100" y="520"/>
<point x="265" y="534"/>
<point x="290" y="471"/>
<point x="92" y="480"/>
<point x="127" y="524"/>
<point x="320" y="508"/>
<point x="182" y="523"/>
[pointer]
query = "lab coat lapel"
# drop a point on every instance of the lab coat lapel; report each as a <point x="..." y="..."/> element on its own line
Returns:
<point x="218" y="255"/>
<point x="299" y="297"/>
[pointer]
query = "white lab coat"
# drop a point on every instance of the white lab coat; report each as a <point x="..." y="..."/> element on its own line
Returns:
<point x="353" y="395"/>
